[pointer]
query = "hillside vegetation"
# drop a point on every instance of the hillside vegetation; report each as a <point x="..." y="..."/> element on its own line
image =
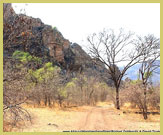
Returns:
<point x="50" y="84"/>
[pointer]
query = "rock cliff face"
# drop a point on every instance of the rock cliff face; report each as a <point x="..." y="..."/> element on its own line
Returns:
<point x="31" y="35"/>
<point x="7" y="11"/>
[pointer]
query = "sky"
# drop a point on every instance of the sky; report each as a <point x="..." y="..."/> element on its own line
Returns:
<point x="76" y="21"/>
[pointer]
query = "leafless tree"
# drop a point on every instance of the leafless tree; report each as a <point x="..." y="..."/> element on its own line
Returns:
<point x="150" y="46"/>
<point x="15" y="94"/>
<point x="133" y="93"/>
<point x="112" y="48"/>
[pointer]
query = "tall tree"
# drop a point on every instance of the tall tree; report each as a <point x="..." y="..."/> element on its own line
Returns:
<point x="150" y="46"/>
<point x="113" y="48"/>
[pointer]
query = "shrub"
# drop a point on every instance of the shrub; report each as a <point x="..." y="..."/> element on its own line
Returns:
<point x="25" y="57"/>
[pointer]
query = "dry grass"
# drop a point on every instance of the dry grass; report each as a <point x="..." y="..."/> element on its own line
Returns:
<point x="102" y="117"/>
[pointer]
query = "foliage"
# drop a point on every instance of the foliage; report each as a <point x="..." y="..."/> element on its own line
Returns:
<point x="25" y="57"/>
<point x="55" y="28"/>
<point x="70" y="84"/>
<point x="84" y="90"/>
<point x="62" y="92"/>
<point x="148" y="74"/>
<point x="134" y="82"/>
<point x="43" y="74"/>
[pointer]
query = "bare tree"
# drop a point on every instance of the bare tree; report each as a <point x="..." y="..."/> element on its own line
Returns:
<point x="15" y="94"/>
<point x="113" y="48"/>
<point x="150" y="46"/>
<point x="133" y="93"/>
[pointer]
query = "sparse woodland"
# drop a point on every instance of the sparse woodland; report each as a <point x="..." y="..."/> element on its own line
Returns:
<point x="43" y="81"/>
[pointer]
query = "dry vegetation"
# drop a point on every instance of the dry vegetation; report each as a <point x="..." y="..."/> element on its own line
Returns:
<point x="37" y="96"/>
<point x="47" y="87"/>
<point x="66" y="108"/>
<point x="101" y="117"/>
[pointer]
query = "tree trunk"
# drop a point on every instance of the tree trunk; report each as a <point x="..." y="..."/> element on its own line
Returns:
<point x="49" y="101"/>
<point x="38" y="102"/>
<point x="145" y="104"/>
<point x="90" y="96"/>
<point x="46" y="100"/>
<point x="117" y="99"/>
<point x="60" y="101"/>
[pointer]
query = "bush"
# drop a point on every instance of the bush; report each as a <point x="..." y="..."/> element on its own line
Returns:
<point x="84" y="90"/>
<point x="133" y="93"/>
<point x="25" y="57"/>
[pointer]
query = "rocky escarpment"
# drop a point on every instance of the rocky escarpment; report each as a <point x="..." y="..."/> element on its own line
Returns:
<point x="31" y="35"/>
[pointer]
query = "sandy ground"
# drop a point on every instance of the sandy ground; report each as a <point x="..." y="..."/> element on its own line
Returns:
<point x="87" y="118"/>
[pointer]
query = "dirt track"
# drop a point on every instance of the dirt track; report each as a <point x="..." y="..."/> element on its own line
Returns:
<point x="100" y="118"/>
<point x="96" y="120"/>
<point x="89" y="118"/>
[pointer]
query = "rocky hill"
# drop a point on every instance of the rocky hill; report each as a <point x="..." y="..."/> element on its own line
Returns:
<point x="31" y="35"/>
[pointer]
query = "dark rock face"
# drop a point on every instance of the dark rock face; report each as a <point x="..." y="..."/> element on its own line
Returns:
<point x="7" y="11"/>
<point x="31" y="35"/>
<point x="78" y="60"/>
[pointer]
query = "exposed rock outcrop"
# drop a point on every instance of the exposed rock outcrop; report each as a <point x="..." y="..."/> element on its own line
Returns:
<point x="31" y="35"/>
<point x="7" y="11"/>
